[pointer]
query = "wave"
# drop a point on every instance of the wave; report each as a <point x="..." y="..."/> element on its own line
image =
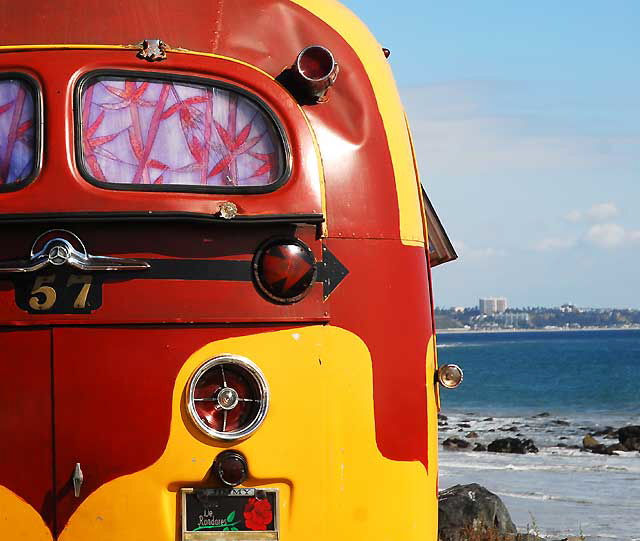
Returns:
<point x="542" y="462"/>
<point x="544" y="497"/>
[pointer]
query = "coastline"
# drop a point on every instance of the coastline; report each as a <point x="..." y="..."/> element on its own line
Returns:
<point x="550" y="491"/>
<point x="555" y="329"/>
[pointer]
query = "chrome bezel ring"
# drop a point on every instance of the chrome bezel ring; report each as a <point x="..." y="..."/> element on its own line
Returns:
<point x="252" y="371"/>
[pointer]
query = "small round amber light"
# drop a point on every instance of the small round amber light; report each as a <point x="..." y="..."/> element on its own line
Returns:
<point x="284" y="269"/>
<point x="231" y="468"/>
<point x="450" y="375"/>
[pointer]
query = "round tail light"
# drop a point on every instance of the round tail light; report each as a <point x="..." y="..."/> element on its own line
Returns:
<point x="231" y="468"/>
<point x="228" y="397"/>
<point x="284" y="269"/>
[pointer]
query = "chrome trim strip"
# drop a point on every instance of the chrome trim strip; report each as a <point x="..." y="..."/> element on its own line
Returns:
<point x="59" y="251"/>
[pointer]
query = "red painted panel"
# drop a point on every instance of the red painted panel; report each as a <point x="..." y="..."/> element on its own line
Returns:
<point x="60" y="188"/>
<point x="113" y="392"/>
<point x="191" y="295"/>
<point x="389" y="283"/>
<point x="352" y="139"/>
<point x="25" y="424"/>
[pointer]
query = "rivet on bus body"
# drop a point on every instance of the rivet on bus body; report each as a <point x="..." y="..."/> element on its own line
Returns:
<point x="152" y="50"/>
<point x="450" y="375"/>
<point x="227" y="210"/>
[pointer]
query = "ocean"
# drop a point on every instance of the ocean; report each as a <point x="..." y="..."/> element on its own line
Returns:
<point x="551" y="387"/>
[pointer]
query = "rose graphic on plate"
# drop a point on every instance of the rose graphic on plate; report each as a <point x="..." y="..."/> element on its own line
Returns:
<point x="258" y="514"/>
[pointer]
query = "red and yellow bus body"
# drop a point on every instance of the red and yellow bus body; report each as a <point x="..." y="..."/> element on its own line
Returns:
<point x="101" y="381"/>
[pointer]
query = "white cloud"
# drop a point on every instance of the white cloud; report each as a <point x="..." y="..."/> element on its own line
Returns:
<point x="555" y="243"/>
<point x="473" y="127"/>
<point x="611" y="235"/>
<point x="477" y="254"/>
<point x="574" y="216"/>
<point x="599" y="212"/>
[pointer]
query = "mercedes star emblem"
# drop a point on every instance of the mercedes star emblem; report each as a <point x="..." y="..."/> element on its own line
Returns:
<point x="59" y="254"/>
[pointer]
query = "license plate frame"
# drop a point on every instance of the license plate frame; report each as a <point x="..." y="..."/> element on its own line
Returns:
<point x="205" y="513"/>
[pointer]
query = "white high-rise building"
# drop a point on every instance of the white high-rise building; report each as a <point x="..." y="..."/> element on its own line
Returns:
<point x="492" y="305"/>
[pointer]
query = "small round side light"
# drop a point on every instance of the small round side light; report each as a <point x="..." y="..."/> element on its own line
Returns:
<point x="450" y="375"/>
<point x="231" y="468"/>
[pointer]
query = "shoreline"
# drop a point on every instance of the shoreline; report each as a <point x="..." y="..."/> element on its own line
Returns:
<point x="551" y="486"/>
<point x="497" y="331"/>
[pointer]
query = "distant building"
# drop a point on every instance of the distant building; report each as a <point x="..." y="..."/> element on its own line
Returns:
<point x="513" y="319"/>
<point x="492" y="305"/>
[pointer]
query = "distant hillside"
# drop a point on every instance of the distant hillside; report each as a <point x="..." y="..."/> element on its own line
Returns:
<point x="447" y="322"/>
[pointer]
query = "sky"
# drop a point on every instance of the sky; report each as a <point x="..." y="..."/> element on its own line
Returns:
<point x="526" y="122"/>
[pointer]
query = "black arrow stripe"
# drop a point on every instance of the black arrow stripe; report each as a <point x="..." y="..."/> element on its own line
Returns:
<point x="330" y="271"/>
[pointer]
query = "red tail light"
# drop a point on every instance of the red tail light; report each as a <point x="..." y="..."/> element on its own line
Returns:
<point x="228" y="397"/>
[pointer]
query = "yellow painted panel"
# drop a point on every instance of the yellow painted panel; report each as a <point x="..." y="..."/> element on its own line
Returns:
<point x="20" y="521"/>
<point x="317" y="446"/>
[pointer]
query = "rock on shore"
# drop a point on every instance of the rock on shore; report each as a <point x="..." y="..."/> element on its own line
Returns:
<point x="512" y="445"/>
<point x="465" y="508"/>
<point x="473" y="513"/>
<point x="628" y="440"/>
<point x="629" y="437"/>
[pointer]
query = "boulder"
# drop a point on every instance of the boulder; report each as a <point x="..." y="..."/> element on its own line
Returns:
<point x="560" y="422"/>
<point x="463" y="509"/>
<point x="472" y="435"/>
<point x="629" y="436"/>
<point x="512" y="445"/>
<point x="480" y="447"/>
<point x="603" y="450"/>
<point x="455" y="443"/>
<point x="606" y="431"/>
<point x="589" y="442"/>
<point x="617" y="447"/>
<point x="543" y="414"/>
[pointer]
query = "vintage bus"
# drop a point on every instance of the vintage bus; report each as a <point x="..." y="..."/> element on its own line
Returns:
<point x="215" y="302"/>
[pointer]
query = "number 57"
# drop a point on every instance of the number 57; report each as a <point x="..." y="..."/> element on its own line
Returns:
<point x="43" y="296"/>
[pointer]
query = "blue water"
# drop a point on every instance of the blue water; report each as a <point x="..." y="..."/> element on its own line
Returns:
<point x="560" y="372"/>
<point x="585" y="380"/>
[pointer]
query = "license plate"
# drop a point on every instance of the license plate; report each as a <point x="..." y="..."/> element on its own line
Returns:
<point x="241" y="514"/>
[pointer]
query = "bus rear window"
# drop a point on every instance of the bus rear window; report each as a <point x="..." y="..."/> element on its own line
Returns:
<point x="17" y="141"/>
<point x="153" y="133"/>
